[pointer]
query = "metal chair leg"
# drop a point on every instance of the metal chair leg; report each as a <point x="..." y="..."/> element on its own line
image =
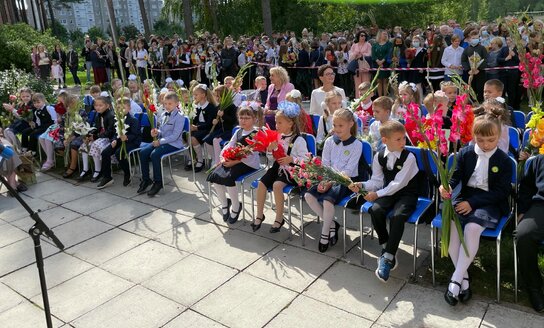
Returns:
<point x="515" y="271"/>
<point x="361" y="241"/>
<point x="170" y="165"/>
<point x="433" y="235"/>
<point x="415" y="252"/>
<point x="344" y="231"/>
<point x="243" y="204"/>
<point x="210" y="199"/>
<point x="162" y="171"/>
<point x="289" y="216"/>
<point x="252" y="204"/>
<point x="301" y="206"/>
<point x="499" y="268"/>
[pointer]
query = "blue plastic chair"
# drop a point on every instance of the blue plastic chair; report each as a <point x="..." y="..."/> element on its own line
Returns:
<point x="525" y="140"/>
<point x="359" y="126"/>
<point x="519" y="119"/>
<point x="315" y="122"/>
<point x="290" y="190"/>
<point x="91" y="117"/>
<point x="528" y="117"/>
<point x="423" y="203"/>
<point x="513" y="136"/>
<point x="494" y="234"/>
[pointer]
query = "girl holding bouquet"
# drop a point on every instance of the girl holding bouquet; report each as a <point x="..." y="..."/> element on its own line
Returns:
<point x="224" y="176"/>
<point x="293" y="147"/>
<point x="481" y="185"/>
<point x="23" y="112"/>
<point x="342" y="152"/>
<point x="53" y="137"/>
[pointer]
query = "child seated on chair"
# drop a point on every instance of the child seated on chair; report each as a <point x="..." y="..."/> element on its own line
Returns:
<point x="497" y="108"/>
<point x="225" y="174"/>
<point x="392" y="187"/>
<point x="342" y="152"/>
<point x="530" y="231"/>
<point x="493" y="89"/>
<point x="481" y="186"/>
<point x="169" y="139"/>
<point x="381" y="108"/>
<point x="277" y="177"/>
<point x="332" y="103"/>
<point x="43" y="117"/>
<point x="132" y="139"/>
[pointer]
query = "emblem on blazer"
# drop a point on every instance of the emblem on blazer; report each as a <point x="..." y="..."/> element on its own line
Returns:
<point x="494" y="169"/>
<point x="346" y="152"/>
<point x="399" y="167"/>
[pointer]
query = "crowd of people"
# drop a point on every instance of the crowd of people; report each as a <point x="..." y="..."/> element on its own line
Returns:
<point x="327" y="71"/>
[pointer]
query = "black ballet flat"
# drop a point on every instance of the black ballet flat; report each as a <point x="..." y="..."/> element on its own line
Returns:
<point x="323" y="247"/>
<point x="465" y="295"/>
<point x="227" y="215"/>
<point x="277" y="229"/>
<point x="449" y="297"/>
<point x="256" y="227"/>
<point x="233" y="219"/>
<point x="334" y="239"/>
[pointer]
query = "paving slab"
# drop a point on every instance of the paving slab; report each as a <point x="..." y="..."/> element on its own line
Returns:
<point x="192" y="235"/>
<point x="80" y="229"/>
<point x="245" y="301"/>
<point x="20" y="254"/>
<point x="11" y="210"/>
<point x="136" y="308"/>
<point x="419" y="306"/>
<point x="190" y="319"/>
<point x="152" y="224"/>
<point x="237" y="249"/>
<point x="190" y="204"/>
<point x="167" y="195"/>
<point x="106" y="246"/>
<point x="96" y="202"/>
<point x="68" y="193"/>
<point x="9" y="299"/>
<point x="58" y="269"/>
<point x="50" y="185"/>
<point x="144" y="261"/>
<point x="53" y="217"/>
<point x="83" y="293"/>
<point x="10" y="234"/>
<point x="26" y="315"/>
<point x="355" y="290"/>
<point x="291" y="267"/>
<point x="190" y="279"/>
<point x="503" y="316"/>
<point x="122" y="212"/>
<point x="309" y="313"/>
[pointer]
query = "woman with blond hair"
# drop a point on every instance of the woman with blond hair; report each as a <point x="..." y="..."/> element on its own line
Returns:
<point x="277" y="91"/>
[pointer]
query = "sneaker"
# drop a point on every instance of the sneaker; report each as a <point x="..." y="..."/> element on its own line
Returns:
<point x="384" y="267"/>
<point x="395" y="264"/>
<point x="104" y="182"/>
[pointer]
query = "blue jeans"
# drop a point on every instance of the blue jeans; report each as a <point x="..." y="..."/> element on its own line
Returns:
<point x="88" y="67"/>
<point x="155" y="154"/>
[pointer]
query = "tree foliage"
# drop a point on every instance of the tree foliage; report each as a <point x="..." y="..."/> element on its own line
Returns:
<point x="163" y="27"/>
<point x="96" y="32"/>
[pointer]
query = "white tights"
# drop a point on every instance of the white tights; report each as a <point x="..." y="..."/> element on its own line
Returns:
<point x="222" y="196"/>
<point x="458" y="256"/>
<point x="325" y="211"/>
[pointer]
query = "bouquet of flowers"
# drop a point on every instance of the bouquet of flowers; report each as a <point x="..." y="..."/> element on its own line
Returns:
<point x="355" y="105"/>
<point x="396" y="57"/>
<point x="428" y="133"/>
<point x="410" y="54"/>
<point x="249" y="55"/>
<point x="25" y="112"/>
<point x="121" y="128"/>
<point x="263" y="138"/>
<point x="310" y="172"/>
<point x="236" y="153"/>
<point x="474" y="61"/>
<point x="150" y="99"/>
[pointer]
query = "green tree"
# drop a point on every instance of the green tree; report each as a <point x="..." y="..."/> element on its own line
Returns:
<point x="96" y="32"/>
<point x="165" y="28"/>
<point x="59" y="31"/>
<point x="130" y="31"/>
<point x="77" y="38"/>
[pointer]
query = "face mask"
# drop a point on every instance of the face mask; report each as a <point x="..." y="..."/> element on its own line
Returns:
<point x="474" y="42"/>
<point x="485" y="34"/>
<point x="525" y="38"/>
<point x="415" y="44"/>
<point x="495" y="33"/>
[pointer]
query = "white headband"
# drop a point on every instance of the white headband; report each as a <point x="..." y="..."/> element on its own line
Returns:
<point x="405" y="83"/>
<point x="132" y="77"/>
<point x="202" y="86"/>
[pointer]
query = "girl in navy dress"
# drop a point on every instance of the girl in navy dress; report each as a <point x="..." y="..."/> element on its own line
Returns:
<point x="342" y="152"/>
<point x="205" y="113"/>
<point x="481" y="185"/>
<point x="224" y="176"/>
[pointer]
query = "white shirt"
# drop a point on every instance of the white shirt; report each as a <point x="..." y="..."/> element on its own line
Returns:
<point x="374" y="131"/>
<point x="299" y="150"/>
<point x="407" y="173"/>
<point x="479" y="178"/>
<point x="135" y="108"/>
<point x="321" y="135"/>
<point x="140" y="55"/>
<point x="318" y="96"/>
<point x="343" y="156"/>
<point x="450" y="57"/>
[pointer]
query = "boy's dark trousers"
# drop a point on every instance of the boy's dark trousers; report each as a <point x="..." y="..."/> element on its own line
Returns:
<point x="402" y="206"/>
<point x="29" y="137"/>
<point x="106" y="160"/>
<point x="530" y="234"/>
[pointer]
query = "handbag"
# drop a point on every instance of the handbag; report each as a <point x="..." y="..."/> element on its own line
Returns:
<point x="353" y="66"/>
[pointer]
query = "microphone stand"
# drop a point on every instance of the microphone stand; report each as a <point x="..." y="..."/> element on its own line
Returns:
<point x="36" y="231"/>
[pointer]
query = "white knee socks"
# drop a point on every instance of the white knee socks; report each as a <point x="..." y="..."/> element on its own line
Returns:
<point x="209" y="150"/>
<point x="472" y="235"/>
<point x="198" y="150"/>
<point x="222" y="196"/>
<point x="97" y="165"/>
<point x="233" y="193"/>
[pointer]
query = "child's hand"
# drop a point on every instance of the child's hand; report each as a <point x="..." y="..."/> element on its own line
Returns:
<point x="8" y="107"/>
<point x="194" y="127"/>
<point x="324" y="186"/>
<point x="215" y="121"/>
<point x="32" y="124"/>
<point x="123" y="138"/>
<point x="371" y="196"/>
<point x="113" y="143"/>
<point x="354" y="187"/>
<point x="443" y="193"/>
<point x="154" y="132"/>
<point x="273" y="146"/>
<point x="229" y="163"/>
<point x="523" y="155"/>
<point x="285" y="160"/>
<point x="220" y="113"/>
<point x="156" y="143"/>
<point x="463" y="208"/>
<point x="520" y="216"/>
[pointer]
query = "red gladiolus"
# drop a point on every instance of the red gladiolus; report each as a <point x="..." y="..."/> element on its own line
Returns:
<point x="60" y="109"/>
<point x="152" y="108"/>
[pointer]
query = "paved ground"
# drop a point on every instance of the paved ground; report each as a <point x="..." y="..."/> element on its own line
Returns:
<point x="134" y="261"/>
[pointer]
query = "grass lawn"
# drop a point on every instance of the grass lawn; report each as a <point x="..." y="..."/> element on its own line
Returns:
<point x="484" y="270"/>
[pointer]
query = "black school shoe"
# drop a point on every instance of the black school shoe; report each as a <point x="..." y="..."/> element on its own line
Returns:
<point x="143" y="186"/>
<point x="537" y="299"/>
<point x="104" y="182"/>
<point x="157" y="186"/>
<point x="126" y="180"/>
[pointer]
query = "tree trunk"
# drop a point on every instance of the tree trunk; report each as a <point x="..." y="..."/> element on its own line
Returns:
<point x="267" y="17"/>
<point x="210" y="9"/>
<point x="113" y="26"/>
<point x="188" y="18"/>
<point x="44" y="16"/>
<point x="51" y="15"/>
<point x="143" y="12"/>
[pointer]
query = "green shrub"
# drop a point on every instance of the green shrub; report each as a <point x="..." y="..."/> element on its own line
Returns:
<point x="16" y="42"/>
<point x="13" y="79"/>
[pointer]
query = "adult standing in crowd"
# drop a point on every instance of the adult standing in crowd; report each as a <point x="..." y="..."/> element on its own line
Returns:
<point x="44" y="63"/>
<point x="510" y="77"/>
<point x="72" y="60"/>
<point x="122" y="52"/>
<point x="326" y="76"/>
<point x="229" y="59"/>
<point x="381" y="55"/>
<point x="60" y="56"/>
<point x="86" y="55"/>
<point x="361" y="50"/>
<point x="277" y="91"/>
<point x="98" y="63"/>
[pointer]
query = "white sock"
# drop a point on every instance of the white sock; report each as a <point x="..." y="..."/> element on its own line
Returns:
<point x="198" y="150"/>
<point x="49" y="151"/>
<point x="311" y="200"/>
<point x="222" y="196"/>
<point x="216" y="149"/>
<point x="97" y="166"/>
<point x="472" y="234"/>
<point x="235" y="207"/>
<point x="209" y="150"/>
<point x="453" y="250"/>
<point x="85" y="160"/>
<point x="328" y="217"/>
